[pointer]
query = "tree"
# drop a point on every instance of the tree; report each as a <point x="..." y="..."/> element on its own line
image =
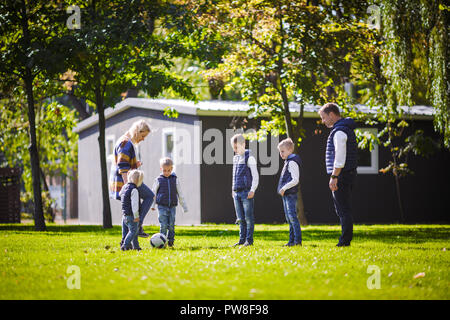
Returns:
<point x="391" y="67"/>
<point x="122" y="45"/>
<point x="56" y="142"/>
<point x="30" y="49"/>
<point x="283" y="52"/>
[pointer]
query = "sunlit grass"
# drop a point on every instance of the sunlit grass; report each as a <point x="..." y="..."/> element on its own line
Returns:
<point x="203" y="265"/>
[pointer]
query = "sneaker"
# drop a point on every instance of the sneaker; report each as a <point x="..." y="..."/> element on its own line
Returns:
<point x="142" y="234"/>
<point x="246" y="244"/>
<point x="238" y="244"/>
<point x="170" y="243"/>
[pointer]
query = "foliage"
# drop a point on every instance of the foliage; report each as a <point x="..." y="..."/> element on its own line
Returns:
<point x="57" y="143"/>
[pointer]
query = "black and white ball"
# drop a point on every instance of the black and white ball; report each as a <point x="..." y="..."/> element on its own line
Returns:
<point x="158" y="240"/>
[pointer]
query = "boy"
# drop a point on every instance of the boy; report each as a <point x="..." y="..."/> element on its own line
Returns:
<point x="168" y="192"/>
<point x="129" y="197"/>
<point x="245" y="182"/>
<point x="288" y="187"/>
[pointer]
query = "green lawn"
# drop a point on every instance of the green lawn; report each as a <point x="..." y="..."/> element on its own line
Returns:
<point x="202" y="265"/>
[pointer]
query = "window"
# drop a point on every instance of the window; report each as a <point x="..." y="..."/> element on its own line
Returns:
<point x="168" y="143"/>
<point x="110" y="144"/>
<point x="368" y="160"/>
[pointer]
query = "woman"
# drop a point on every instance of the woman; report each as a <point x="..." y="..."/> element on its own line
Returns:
<point x="125" y="157"/>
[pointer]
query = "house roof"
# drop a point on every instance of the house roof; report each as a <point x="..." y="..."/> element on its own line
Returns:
<point x="227" y="108"/>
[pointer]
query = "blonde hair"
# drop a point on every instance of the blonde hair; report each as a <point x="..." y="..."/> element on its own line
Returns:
<point x="165" y="162"/>
<point x="286" y="143"/>
<point x="237" y="138"/>
<point x="137" y="127"/>
<point x="136" y="176"/>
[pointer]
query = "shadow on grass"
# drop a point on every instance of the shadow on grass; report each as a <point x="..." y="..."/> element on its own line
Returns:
<point x="313" y="233"/>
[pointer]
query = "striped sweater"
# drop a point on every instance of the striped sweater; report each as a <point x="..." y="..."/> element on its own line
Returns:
<point x="124" y="160"/>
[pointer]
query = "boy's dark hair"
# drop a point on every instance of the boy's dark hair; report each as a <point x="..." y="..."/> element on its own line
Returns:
<point x="330" y="107"/>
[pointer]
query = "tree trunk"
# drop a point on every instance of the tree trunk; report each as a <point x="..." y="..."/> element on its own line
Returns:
<point x="397" y="187"/>
<point x="39" y="221"/>
<point x="107" y="220"/>
<point x="300" y="204"/>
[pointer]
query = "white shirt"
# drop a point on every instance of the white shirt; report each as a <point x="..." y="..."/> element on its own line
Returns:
<point x="295" y="174"/>
<point x="251" y="163"/>
<point x="155" y="188"/>
<point x="134" y="201"/>
<point x="340" y="149"/>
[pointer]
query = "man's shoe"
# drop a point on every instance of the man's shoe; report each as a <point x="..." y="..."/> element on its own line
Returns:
<point x="343" y="245"/>
<point x="246" y="244"/>
<point x="143" y="234"/>
<point x="289" y="244"/>
<point x="170" y="244"/>
<point x="238" y="244"/>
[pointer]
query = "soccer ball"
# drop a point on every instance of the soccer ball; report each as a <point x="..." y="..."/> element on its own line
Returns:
<point x="158" y="240"/>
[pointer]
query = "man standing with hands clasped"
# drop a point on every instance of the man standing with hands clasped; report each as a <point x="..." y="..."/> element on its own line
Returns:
<point x="341" y="162"/>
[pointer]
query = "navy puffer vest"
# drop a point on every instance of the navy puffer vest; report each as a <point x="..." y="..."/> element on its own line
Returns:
<point x="167" y="191"/>
<point x="242" y="173"/>
<point x="126" y="198"/>
<point x="286" y="176"/>
<point x="348" y="126"/>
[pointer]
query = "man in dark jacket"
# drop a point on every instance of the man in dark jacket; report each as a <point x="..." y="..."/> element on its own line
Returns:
<point x="341" y="162"/>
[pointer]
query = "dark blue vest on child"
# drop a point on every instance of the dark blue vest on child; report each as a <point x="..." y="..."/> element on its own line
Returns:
<point x="348" y="126"/>
<point x="167" y="191"/>
<point x="286" y="176"/>
<point x="242" y="174"/>
<point x="126" y="198"/>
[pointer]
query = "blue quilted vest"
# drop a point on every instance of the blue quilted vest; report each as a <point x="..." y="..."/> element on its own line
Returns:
<point x="348" y="126"/>
<point x="126" y="198"/>
<point x="242" y="173"/>
<point x="285" y="176"/>
<point x="167" y="191"/>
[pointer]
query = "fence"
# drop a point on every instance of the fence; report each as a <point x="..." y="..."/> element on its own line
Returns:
<point x="9" y="195"/>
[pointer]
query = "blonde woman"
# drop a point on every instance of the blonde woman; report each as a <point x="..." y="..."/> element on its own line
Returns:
<point x="125" y="159"/>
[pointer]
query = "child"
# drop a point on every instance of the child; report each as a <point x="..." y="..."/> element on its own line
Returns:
<point x="245" y="182"/>
<point x="288" y="187"/>
<point x="129" y="197"/>
<point x="168" y="192"/>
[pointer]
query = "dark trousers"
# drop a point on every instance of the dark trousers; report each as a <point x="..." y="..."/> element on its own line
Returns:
<point x="342" y="204"/>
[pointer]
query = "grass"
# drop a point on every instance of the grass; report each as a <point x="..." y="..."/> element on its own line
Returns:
<point x="202" y="265"/>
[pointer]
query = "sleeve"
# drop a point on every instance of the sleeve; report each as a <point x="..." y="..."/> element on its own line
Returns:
<point x="155" y="188"/>
<point x="340" y="147"/>
<point x="135" y="202"/>
<point x="295" y="174"/>
<point x="251" y="163"/>
<point x="181" y="198"/>
<point x="125" y="155"/>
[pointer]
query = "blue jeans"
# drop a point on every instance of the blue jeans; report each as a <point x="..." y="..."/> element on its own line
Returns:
<point x="290" y="211"/>
<point x="166" y="219"/>
<point x="146" y="194"/>
<point x="129" y="233"/>
<point x="245" y="213"/>
<point x="342" y="204"/>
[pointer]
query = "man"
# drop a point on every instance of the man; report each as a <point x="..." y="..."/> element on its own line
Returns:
<point x="341" y="162"/>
